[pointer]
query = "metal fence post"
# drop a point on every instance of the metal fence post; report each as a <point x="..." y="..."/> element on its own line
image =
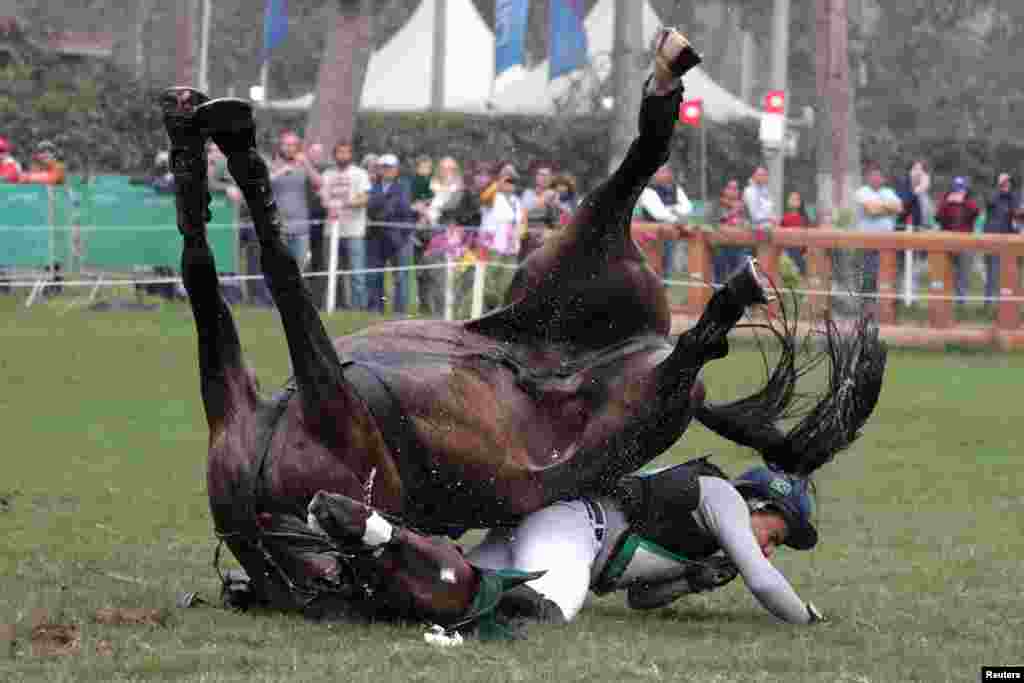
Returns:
<point x="479" y="275"/>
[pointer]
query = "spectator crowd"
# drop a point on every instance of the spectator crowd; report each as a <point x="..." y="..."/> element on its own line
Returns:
<point x="375" y="217"/>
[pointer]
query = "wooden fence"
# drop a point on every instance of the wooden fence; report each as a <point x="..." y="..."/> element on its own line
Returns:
<point x="942" y="327"/>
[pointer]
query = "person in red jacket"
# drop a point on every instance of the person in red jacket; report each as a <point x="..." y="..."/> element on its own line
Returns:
<point x="958" y="212"/>
<point x="10" y="169"/>
<point x="795" y="217"/>
<point x="46" y="169"/>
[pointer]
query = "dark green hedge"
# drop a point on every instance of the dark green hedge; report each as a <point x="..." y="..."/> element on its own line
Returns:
<point x="106" y="122"/>
<point x="100" y="118"/>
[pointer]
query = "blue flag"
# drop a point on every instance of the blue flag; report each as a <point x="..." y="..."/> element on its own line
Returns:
<point x="509" y="33"/>
<point x="567" y="39"/>
<point x="275" y="26"/>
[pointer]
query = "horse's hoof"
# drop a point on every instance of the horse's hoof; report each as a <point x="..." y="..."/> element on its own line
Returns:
<point x="673" y="55"/>
<point x="179" y="105"/>
<point x="746" y="285"/>
<point x="181" y="100"/>
<point x="229" y="122"/>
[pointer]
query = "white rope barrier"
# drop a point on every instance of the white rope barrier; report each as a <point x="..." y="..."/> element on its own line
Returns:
<point x="168" y="227"/>
<point x="116" y="281"/>
<point x="105" y="279"/>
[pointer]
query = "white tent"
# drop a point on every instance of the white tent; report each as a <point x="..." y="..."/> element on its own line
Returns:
<point x="533" y="94"/>
<point x="399" y="74"/>
<point x="398" y="77"/>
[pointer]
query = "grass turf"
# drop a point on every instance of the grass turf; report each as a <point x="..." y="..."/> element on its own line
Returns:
<point x="102" y="503"/>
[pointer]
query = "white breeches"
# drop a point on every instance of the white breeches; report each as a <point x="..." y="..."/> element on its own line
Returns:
<point x="559" y="539"/>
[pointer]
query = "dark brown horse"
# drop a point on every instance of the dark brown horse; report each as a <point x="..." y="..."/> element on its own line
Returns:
<point x="445" y="425"/>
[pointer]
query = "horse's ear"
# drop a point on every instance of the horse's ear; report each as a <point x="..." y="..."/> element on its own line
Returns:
<point x="510" y="578"/>
<point x="494" y="584"/>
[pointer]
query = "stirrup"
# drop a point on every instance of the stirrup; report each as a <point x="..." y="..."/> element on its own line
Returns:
<point x="673" y="54"/>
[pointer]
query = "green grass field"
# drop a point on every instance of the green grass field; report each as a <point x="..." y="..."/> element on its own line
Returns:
<point x="103" y="504"/>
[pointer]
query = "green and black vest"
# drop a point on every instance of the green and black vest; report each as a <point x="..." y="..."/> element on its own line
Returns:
<point x="663" y="533"/>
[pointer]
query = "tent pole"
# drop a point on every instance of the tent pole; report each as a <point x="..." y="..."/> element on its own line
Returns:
<point x="439" y="56"/>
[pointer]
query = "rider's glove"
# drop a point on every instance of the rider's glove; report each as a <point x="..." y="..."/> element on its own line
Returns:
<point x="814" y="615"/>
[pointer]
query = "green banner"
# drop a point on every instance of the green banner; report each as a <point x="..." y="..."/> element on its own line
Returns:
<point x="125" y="225"/>
<point x="27" y="214"/>
<point x="114" y="224"/>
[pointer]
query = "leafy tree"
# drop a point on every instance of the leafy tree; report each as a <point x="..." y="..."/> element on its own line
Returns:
<point x="101" y="119"/>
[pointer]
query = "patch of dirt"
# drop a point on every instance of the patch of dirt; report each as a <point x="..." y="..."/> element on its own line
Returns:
<point x="56" y="640"/>
<point x="105" y="648"/>
<point x="8" y="634"/>
<point x="134" y="616"/>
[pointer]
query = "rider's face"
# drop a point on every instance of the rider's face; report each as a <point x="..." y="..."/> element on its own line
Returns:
<point x="769" y="530"/>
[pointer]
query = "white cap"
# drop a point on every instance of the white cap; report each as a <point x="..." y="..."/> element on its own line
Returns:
<point x="387" y="160"/>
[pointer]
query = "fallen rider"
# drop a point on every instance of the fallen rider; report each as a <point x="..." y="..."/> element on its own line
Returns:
<point x="662" y="535"/>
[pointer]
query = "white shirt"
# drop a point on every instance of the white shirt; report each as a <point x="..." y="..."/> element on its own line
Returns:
<point x="338" y="188"/>
<point x="500" y="223"/>
<point x="883" y="223"/>
<point x="760" y="206"/>
<point x="651" y="202"/>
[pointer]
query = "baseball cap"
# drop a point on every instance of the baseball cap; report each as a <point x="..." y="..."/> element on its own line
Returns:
<point x="387" y="160"/>
<point x="959" y="183"/>
<point x="46" y="147"/>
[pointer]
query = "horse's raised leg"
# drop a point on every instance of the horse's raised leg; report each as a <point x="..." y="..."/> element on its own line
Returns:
<point x="605" y="216"/>
<point x="221" y="368"/>
<point x="673" y="394"/>
<point x="589" y="285"/>
<point x="315" y="362"/>
<point x="227" y="386"/>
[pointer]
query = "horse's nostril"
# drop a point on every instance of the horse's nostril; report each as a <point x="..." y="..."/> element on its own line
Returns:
<point x="697" y="392"/>
<point x="317" y="502"/>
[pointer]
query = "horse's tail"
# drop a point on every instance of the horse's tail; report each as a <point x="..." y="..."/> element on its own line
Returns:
<point x="827" y="421"/>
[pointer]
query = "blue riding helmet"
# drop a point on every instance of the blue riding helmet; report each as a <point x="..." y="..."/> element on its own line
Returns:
<point x="789" y="495"/>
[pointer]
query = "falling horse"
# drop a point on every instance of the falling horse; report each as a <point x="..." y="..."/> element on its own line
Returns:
<point x="445" y="425"/>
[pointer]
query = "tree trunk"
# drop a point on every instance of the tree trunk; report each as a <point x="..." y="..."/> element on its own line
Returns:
<point x="823" y="117"/>
<point x="626" y="74"/>
<point x="854" y="59"/>
<point x="142" y="16"/>
<point x="342" y="73"/>
<point x="839" y="97"/>
<point x="185" y="63"/>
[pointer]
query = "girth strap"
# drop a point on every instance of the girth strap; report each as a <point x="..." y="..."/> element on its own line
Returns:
<point x="394" y="424"/>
